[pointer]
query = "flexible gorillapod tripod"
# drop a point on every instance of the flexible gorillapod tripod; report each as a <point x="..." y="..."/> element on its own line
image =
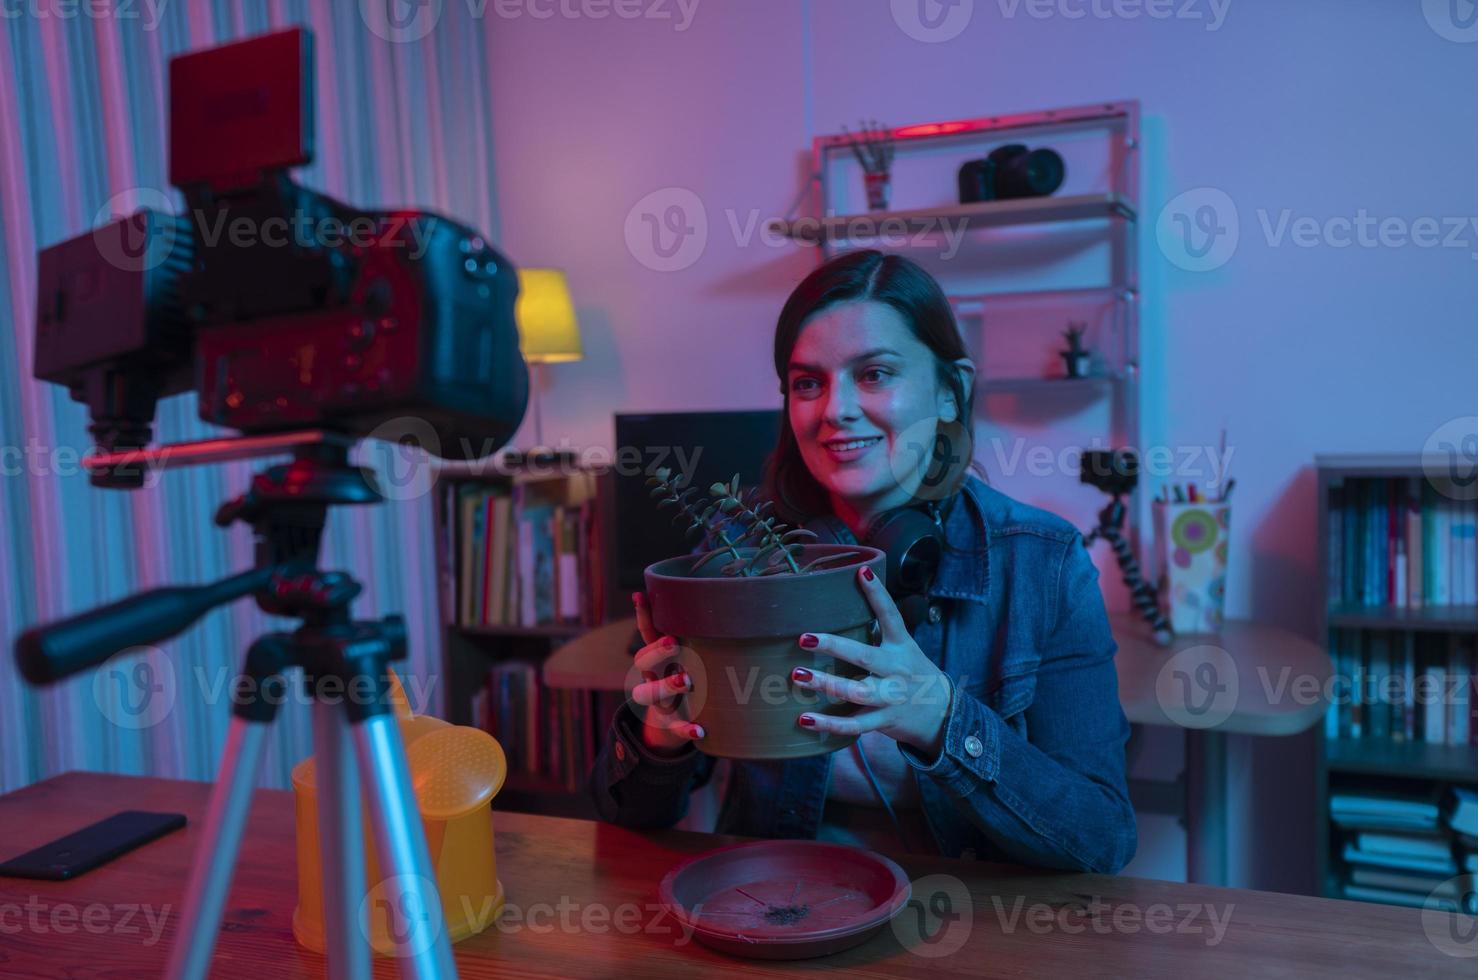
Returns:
<point x="1110" y="524"/>
<point x="355" y="734"/>
<point x="356" y="738"/>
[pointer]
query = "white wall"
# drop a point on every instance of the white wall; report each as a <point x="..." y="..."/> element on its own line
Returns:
<point x="1326" y="109"/>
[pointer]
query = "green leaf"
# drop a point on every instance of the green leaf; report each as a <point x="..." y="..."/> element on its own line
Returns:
<point x="705" y="558"/>
<point x="734" y="485"/>
<point x="799" y="534"/>
<point x="719" y="490"/>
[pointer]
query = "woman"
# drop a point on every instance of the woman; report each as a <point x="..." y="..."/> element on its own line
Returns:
<point x="994" y="729"/>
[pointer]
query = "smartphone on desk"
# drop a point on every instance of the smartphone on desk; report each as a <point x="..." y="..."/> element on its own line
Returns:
<point x="85" y="849"/>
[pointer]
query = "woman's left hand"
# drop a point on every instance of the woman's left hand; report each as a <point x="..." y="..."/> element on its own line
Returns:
<point x="908" y="696"/>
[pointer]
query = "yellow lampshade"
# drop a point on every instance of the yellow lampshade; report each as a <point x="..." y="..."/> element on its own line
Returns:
<point x="547" y="330"/>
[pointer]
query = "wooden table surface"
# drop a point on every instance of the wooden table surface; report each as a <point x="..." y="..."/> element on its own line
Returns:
<point x="1280" y="677"/>
<point x="1019" y="923"/>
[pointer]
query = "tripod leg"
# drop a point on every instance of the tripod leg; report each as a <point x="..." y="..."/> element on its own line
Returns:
<point x="408" y="886"/>
<point x="215" y="856"/>
<point x="341" y="844"/>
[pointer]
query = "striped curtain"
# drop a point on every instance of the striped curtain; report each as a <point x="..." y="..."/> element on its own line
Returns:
<point x="402" y="122"/>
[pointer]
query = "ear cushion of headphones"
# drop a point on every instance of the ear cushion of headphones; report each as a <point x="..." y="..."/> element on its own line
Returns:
<point x="908" y="536"/>
<point x="914" y="545"/>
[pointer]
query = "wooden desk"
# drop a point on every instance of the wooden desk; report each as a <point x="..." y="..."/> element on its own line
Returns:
<point x="548" y="863"/>
<point x="1265" y="659"/>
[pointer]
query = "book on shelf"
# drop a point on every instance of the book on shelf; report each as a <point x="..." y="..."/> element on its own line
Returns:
<point x="1398" y="542"/>
<point x="1403" y="686"/>
<point x="1392" y="896"/>
<point x="550" y="736"/>
<point x="1462" y="813"/>
<point x="529" y="551"/>
<point x="1434" y="845"/>
<point x="1374" y="811"/>
<point x="1444" y="867"/>
<point x="1408" y="849"/>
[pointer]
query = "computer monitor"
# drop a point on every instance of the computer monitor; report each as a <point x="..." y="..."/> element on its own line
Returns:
<point x="716" y="445"/>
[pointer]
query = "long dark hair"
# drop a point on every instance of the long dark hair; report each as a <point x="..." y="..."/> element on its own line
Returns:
<point x="863" y="275"/>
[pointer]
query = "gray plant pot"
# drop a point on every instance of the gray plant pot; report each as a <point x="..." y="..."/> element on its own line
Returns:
<point x="739" y="641"/>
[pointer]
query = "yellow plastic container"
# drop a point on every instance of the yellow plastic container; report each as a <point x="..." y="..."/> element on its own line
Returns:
<point x="456" y="771"/>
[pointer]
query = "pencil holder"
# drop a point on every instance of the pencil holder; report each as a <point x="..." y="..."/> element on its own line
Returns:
<point x="1191" y="543"/>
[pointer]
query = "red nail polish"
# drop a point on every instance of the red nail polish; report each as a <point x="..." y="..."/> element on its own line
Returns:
<point x="807" y="721"/>
<point x="801" y="674"/>
<point x="809" y="641"/>
<point x="668" y="642"/>
<point x="867" y="573"/>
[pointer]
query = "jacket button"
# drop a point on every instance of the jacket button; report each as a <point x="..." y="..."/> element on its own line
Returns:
<point x="621" y="751"/>
<point x="973" y="746"/>
<point x="934" y="614"/>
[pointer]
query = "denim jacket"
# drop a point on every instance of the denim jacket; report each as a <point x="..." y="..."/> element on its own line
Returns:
<point x="1032" y="764"/>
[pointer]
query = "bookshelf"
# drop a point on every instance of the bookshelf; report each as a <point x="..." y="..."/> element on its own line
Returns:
<point x="487" y="642"/>
<point x="1380" y="617"/>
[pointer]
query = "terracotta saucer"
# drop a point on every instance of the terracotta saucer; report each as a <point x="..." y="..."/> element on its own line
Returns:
<point x="785" y="899"/>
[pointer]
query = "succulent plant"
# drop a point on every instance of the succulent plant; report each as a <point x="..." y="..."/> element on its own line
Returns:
<point x="733" y="519"/>
<point x="1074" y="337"/>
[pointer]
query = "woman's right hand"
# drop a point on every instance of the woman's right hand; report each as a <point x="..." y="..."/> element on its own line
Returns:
<point x="659" y="693"/>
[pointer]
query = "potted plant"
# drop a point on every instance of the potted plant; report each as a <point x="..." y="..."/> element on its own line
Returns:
<point x="1076" y="357"/>
<point x="737" y="607"/>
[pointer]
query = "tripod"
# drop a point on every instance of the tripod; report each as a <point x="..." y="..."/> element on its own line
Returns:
<point x="345" y="665"/>
<point x="358" y="737"/>
<point x="1110" y="527"/>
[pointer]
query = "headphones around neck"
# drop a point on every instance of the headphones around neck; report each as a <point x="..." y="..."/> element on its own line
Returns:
<point x="912" y="538"/>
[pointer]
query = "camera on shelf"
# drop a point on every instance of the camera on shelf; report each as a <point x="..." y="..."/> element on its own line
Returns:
<point x="1114" y="471"/>
<point x="1011" y="171"/>
<point x="282" y="307"/>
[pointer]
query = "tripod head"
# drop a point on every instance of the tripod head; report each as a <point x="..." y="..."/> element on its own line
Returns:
<point x="286" y="505"/>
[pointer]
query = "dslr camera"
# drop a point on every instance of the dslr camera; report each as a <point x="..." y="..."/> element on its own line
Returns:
<point x="283" y="308"/>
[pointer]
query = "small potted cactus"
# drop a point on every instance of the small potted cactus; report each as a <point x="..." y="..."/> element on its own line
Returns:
<point x="1077" y="357"/>
<point x="737" y="606"/>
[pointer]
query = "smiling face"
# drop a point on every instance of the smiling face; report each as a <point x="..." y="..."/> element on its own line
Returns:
<point x="864" y="400"/>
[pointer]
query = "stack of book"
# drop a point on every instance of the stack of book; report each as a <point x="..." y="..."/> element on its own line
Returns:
<point x="1399" y="542"/>
<point x="1403" y="687"/>
<point x="528" y="551"/>
<point x="549" y="736"/>
<point x="1407" y="851"/>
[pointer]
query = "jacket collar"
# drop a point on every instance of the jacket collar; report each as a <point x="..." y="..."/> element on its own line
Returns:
<point x="964" y="570"/>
